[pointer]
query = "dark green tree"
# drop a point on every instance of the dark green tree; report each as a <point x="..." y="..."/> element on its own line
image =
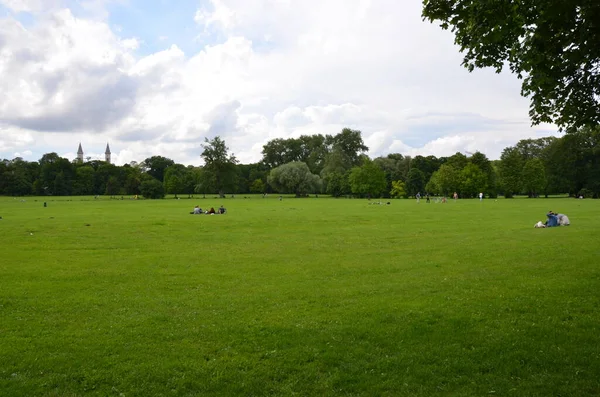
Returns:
<point x="533" y="177"/>
<point x="511" y="171"/>
<point x="258" y="186"/>
<point x="152" y="189"/>
<point x="350" y="142"/>
<point x="415" y="181"/>
<point x="427" y="165"/>
<point x="368" y="179"/>
<point x="156" y="166"/>
<point x="173" y="179"/>
<point x="485" y="165"/>
<point x="113" y="187"/>
<point x="84" y="180"/>
<point x="219" y="165"/>
<point x="335" y="172"/>
<point x="473" y="181"/>
<point x="554" y="45"/>
<point x="446" y="180"/>
<point x="457" y="161"/>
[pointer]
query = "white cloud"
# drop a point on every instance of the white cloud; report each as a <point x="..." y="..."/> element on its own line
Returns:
<point x="280" y="68"/>
<point x="26" y="5"/>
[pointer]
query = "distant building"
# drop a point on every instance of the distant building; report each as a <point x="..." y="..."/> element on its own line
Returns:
<point x="80" y="154"/>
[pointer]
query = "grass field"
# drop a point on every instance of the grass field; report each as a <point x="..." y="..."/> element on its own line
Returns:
<point x="306" y="297"/>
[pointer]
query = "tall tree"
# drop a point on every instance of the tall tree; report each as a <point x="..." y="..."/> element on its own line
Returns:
<point x="368" y="179"/>
<point x="473" y="181"/>
<point x="174" y="179"/>
<point x="458" y="161"/>
<point x="485" y="165"/>
<point x="534" y="177"/>
<point x="219" y="164"/>
<point x="415" y="181"/>
<point x="294" y="177"/>
<point x="335" y="172"/>
<point x="156" y="166"/>
<point x="84" y="180"/>
<point x="427" y="165"/>
<point x="392" y="166"/>
<point x="510" y="170"/>
<point x="350" y="143"/>
<point x="554" y="45"/>
<point x="445" y="180"/>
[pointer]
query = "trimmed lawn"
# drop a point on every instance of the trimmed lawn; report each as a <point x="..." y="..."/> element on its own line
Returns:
<point x="323" y="297"/>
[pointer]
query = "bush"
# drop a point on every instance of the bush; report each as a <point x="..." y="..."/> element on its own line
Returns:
<point x="152" y="189"/>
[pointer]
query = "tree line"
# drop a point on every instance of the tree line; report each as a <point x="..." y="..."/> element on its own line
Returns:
<point x="325" y="164"/>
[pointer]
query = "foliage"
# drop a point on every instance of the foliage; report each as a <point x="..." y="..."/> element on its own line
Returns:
<point x="152" y="189"/>
<point x="84" y="181"/>
<point x="336" y="183"/>
<point x="554" y="45"/>
<point x="112" y="186"/>
<point x="534" y="176"/>
<point x="368" y="179"/>
<point x="415" y="181"/>
<point x="447" y="180"/>
<point x="156" y="166"/>
<point x="350" y="142"/>
<point x="510" y="169"/>
<point x="258" y="186"/>
<point x="480" y="160"/>
<point x="314" y="150"/>
<point x="308" y="149"/>
<point x="398" y="190"/>
<point x="175" y="179"/>
<point x="220" y="166"/>
<point x="473" y="181"/>
<point x="571" y="164"/>
<point x="294" y="177"/>
<point x="395" y="166"/>
<point x="427" y="165"/>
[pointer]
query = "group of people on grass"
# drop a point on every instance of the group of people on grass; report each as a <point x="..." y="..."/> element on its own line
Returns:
<point x="554" y="219"/>
<point x="198" y="211"/>
<point x="442" y="199"/>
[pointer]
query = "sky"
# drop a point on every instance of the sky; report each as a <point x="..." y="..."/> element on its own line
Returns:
<point x="157" y="77"/>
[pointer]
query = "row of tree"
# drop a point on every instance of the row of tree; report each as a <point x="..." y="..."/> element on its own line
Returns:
<point x="335" y="165"/>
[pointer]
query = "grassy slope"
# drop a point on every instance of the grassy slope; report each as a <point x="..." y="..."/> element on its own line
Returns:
<point x="306" y="296"/>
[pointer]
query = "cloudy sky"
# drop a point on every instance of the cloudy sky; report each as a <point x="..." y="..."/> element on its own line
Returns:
<point x="155" y="77"/>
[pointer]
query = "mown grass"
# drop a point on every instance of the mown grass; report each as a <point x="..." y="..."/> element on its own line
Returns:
<point x="303" y="297"/>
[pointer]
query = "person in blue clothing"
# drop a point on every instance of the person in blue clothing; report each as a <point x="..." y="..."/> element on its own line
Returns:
<point x="552" y="219"/>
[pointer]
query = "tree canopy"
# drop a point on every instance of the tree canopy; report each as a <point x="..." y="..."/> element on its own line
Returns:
<point x="219" y="165"/>
<point x="553" y="45"/>
<point x="294" y="177"/>
<point x="368" y="179"/>
<point x="569" y="164"/>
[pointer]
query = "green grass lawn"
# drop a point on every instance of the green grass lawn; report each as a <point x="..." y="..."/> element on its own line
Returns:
<point x="306" y="297"/>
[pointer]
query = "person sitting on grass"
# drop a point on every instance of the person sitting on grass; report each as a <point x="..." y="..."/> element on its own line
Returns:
<point x="222" y="210"/>
<point x="552" y="219"/>
<point x="211" y="211"/>
<point x="197" y="210"/>
<point x="563" y="220"/>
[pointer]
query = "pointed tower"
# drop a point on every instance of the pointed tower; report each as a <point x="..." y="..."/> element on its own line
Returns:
<point x="107" y="154"/>
<point x="80" y="154"/>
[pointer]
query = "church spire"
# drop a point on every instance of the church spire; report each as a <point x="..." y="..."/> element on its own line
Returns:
<point x="107" y="154"/>
<point x="80" y="154"/>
